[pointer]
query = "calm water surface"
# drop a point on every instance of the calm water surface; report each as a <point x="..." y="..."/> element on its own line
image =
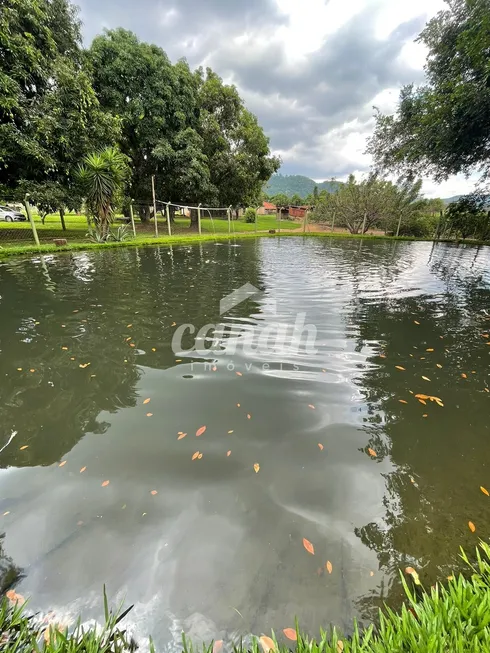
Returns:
<point x="218" y="551"/>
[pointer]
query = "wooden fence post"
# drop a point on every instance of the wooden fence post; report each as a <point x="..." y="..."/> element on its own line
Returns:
<point x="168" y="219"/>
<point x="131" y="213"/>
<point x="154" y="205"/>
<point x="29" y="215"/>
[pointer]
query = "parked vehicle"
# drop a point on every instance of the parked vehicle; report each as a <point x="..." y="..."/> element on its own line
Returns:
<point x="11" y="215"/>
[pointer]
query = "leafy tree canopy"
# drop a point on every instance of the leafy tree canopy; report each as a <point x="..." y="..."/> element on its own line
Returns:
<point x="442" y="128"/>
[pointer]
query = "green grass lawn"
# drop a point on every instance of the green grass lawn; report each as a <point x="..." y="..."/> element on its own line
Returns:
<point x="76" y="228"/>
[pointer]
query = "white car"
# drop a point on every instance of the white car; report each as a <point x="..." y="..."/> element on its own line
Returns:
<point x="11" y="215"/>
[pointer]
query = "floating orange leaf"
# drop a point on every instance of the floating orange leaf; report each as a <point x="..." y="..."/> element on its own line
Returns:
<point x="217" y="646"/>
<point x="249" y="416"/>
<point x="426" y="378"/>
<point x="402" y="401"/>
<point x="415" y="322"/>
<point x="196" y="455"/>
<point x="422" y="401"/>
<point x="267" y="644"/>
<point x="425" y="416"/>
<point x="311" y="406"/>
<point x="24" y="447"/>
<point x="182" y="435"/>
<point x="484" y="490"/>
<point x="309" y="546"/>
<point x="486" y="390"/>
<point x="399" y="367"/>
<point x="105" y="483"/>
<point x="82" y="470"/>
<point x="64" y="348"/>
<point x="200" y="456"/>
<point x="415" y="577"/>
<point x="257" y="468"/>
<point x="32" y="371"/>
<point x="239" y="374"/>
<point x="62" y="464"/>
<point x="382" y="356"/>
<point x="420" y="396"/>
<point x="153" y="492"/>
<point x="429" y="350"/>
<point x="238" y="405"/>
<point x="147" y="401"/>
<point x="228" y="453"/>
<point x="149" y="414"/>
<point x="329" y="567"/>
<point x="439" y="366"/>
<point x="471" y="526"/>
<point x="372" y="452"/>
<point x="463" y="376"/>
<point x="320" y="446"/>
<point x="290" y="634"/>
<point x="200" y="430"/>
<point x="13" y="597"/>
<point x="132" y="344"/>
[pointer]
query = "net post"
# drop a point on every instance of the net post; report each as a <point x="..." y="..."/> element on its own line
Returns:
<point x="131" y="213"/>
<point x="229" y="219"/>
<point x="168" y="219"/>
<point x="154" y="205"/>
<point x="199" y="218"/>
<point x="29" y="215"/>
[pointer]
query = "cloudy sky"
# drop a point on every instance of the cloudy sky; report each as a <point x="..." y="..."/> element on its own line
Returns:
<point x="311" y="70"/>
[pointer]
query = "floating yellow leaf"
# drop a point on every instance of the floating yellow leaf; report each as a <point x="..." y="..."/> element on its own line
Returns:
<point x="422" y="401"/>
<point x="320" y="446"/>
<point x="471" y="526"/>
<point x="32" y="371"/>
<point x="463" y="376"/>
<point x="182" y="435"/>
<point x="84" y="365"/>
<point x="425" y="416"/>
<point x="450" y="578"/>
<point x="372" y="452"/>
<point x="290" y="634"/>
<point x="6" y="513"/>
<point x="24" y="447"/>
<point x="174" y="324"/>
<point x="439" y="366"/>
<point x="200" y="456"/>
<point x="147" y="401"/>
<point x="257" y="468"/>
<point x="153" y="349"/>
<point x="382" y="356"/>
<point x="64" y="348"/>
<point x="371" y="573"/>
<point x="415" y="322"/>
<point x="62" y="464"/>
<point x="399" y="367"/>
<point x="329" y="567"/>
<point x="411" y="571"/>
<point x="131" y="344"/>
<point x="420" y="396"/>
<point x="149" y="414"/>
<point x="267" y="644"/>
<point x="105" y="483"/>
<point x="402" y="401"/>
<point x="486" y="390"/>
<point x="129" y="326"/>
<point x="228" y="453"/>
<point x="249" y="416"/>
<point x="308" y="546"/>
<point x="82" y="470"/>
<point x="230" y="431"/>
<point x="484" y="490"/>
<point x="429" y="350"/>
<point x="311" y="406"/>
<point x="153" y="492"/>
<point x="426" y="378"/>
<point x="238" y="405"/>
<point x="196" y="455"/>
<point x="200" y="430"/>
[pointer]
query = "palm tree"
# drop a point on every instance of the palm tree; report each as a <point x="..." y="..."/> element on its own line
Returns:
<point x="101" y="178"/>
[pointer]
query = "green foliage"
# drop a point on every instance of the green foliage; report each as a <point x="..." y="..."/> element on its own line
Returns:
<point x="466" y="217"/>
<point x="419" y="226"/>
<point x="101" y="178"/>
<point x="441" y="128"/>
<point x="298" y="185"/>
<point x="250" y="215"/>
<point x="121" y="234"/>
<point x="453" y="617"/>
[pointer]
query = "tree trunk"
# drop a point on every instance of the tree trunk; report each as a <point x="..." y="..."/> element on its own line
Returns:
<point x="171" y="210"/>
<point x="194" y="219"/>
<point x="399" y="225"/>
<point x="62" y="218"/>
<point x="364" y="228"/>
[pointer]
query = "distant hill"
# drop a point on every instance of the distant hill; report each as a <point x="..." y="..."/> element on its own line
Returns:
<point x="297" y="185"/>
<point x="450" y="200"/>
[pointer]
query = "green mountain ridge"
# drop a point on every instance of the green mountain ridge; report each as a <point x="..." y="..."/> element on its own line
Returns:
<point x="297" y="185"/>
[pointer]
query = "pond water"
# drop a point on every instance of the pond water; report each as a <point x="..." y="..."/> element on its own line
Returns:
<point x="214" y="546"/>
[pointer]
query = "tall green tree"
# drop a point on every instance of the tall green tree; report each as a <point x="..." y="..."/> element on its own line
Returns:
<point x="443" y="127"/>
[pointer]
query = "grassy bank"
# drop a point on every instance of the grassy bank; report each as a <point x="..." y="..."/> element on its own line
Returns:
<point x="453" y="617"/>
<point x="193" y="238"/>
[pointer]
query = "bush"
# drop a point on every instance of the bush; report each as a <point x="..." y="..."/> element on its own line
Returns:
<point x="419" y="226"/>
<point x="250" y="215"/>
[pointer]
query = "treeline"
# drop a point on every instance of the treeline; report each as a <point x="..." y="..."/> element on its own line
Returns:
<point x="59" y="103"/>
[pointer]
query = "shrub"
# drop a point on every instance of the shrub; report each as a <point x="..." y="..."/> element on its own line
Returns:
<point x="419" y="226"/>
<point x="250" y="215"/>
